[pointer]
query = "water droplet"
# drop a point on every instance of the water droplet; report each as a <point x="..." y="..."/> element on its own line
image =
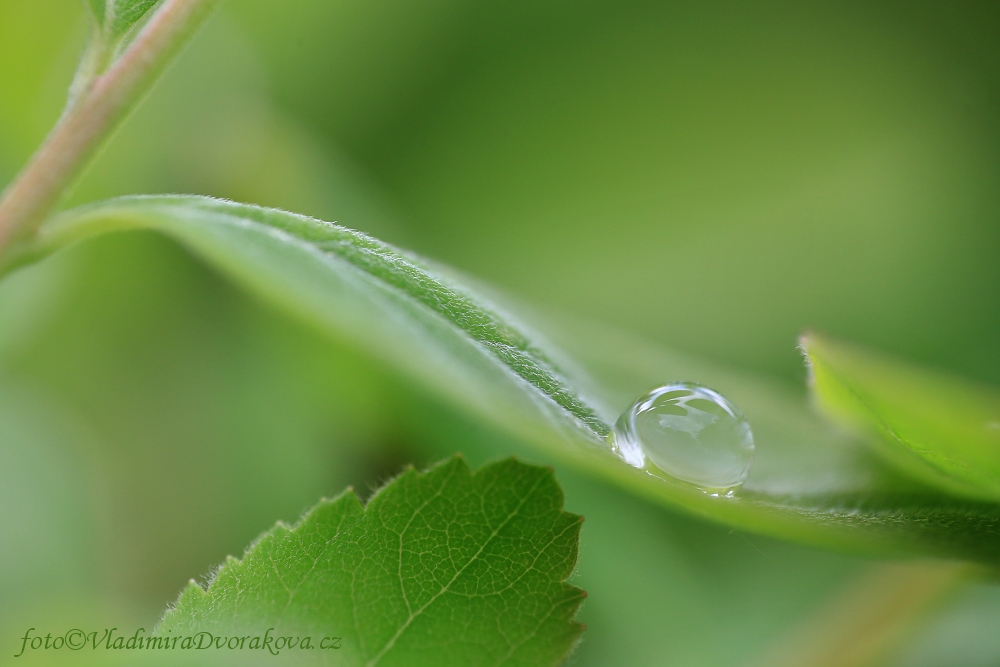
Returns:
<point x="687" y="432"/>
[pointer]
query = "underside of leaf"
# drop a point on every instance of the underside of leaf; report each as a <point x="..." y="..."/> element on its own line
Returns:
<point x="809" y="482"/>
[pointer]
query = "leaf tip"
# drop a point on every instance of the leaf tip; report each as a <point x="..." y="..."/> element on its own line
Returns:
<point x="807" y="341"/>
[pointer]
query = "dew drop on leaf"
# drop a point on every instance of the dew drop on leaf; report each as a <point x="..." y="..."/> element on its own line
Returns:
<point x="684" y="431"/>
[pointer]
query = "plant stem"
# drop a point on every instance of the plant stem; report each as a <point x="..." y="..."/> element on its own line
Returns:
<point x="94" y="115"/>
<point x="871" y="616"/>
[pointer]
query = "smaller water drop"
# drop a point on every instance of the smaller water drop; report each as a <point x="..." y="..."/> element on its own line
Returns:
<point x="688" y="432"/>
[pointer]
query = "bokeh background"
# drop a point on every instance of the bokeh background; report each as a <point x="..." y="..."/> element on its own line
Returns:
<point x="714" y="177"/>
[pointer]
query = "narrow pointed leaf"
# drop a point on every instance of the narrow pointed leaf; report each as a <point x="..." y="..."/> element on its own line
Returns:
<point x="809" y="481"/>
<point x="441" y="568"/>
<point x="932" y="426"/>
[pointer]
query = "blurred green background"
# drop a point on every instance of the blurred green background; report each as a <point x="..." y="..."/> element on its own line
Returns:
<point x="715" y="177"/>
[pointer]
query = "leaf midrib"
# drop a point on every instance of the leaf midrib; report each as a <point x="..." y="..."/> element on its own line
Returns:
<point x="444" y="589"/>
<point x="393" y="270"/>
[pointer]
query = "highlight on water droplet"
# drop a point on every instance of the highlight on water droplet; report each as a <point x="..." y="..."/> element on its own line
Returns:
<point x="686" y="432"/>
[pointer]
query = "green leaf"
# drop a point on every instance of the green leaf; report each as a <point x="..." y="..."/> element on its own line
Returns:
<point x="932" y="426"/>
<point x="114" y="25"/>
<point x="115" y="18"/>
<point x="810" y="482"/>
<point x="441" y="568"/>
<point x="122" y="15"/>
<point x="360" y="288"/>
<point x="113" y="21"/>
<point x="96" y="8"/>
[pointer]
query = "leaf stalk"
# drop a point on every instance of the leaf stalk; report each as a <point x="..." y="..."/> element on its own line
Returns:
<point x="95" y="110"/>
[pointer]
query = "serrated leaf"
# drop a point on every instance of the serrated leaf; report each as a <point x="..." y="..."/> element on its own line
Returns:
<point x="441" y="568"/>
<point x="809" y="482"/>
<point x="932" y="426"/>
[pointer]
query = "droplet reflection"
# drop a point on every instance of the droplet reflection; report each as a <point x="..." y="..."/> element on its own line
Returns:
<point x="687" y="432"/>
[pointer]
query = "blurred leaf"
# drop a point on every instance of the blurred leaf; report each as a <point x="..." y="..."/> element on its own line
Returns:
<point x="96" y="8"/>
<point x="963" y="634"/>
<point x="45" y="506"/>
<point x="808" y="484"/>
<point x="934" y="427"/>
<point x="441" y="568"/>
